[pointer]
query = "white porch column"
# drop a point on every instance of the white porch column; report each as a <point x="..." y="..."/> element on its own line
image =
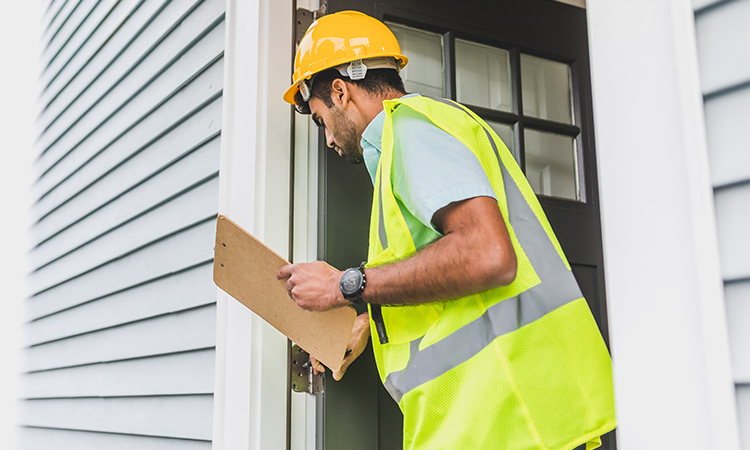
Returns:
<point x="673" y="384"/>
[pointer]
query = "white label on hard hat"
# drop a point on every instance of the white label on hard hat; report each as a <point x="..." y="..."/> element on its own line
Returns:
<point x="356" y="70"/>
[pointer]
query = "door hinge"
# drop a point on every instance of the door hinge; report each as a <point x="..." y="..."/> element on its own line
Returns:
<point x="303" y="378"/>
<point x="303" y="18"/>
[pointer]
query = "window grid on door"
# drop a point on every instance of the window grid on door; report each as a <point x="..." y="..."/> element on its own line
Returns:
<point x="541" y="132"/>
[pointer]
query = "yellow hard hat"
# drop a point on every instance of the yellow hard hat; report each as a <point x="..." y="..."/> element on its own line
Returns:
<point x="340" y="38"/>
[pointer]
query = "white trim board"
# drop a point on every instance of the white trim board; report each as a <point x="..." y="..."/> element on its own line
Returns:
<point x="251" y="385"/>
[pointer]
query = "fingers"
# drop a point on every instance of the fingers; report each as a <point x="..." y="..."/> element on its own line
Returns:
<point x="339" y="374"/>
<point x="313" y="286"/>
<point x="285" y="272"/>
<point x="316" y="365"/>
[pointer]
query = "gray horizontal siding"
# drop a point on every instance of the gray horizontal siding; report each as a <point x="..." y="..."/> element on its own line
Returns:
<point x="119" y="198"/>
<point x="733" y="222"/>
<point x="192" y="142"/>
<point x="138" y="37"/>
<point x="187" y="417"/>
<point x="177" y="292"/>
<point x="189" y="247"/>
<point x="701" y="4"/>
<point x="723" y="34"/>
<point x="727" y="121"/>
<point x="58" y="20"/>
<point x="69" y="36"/>
<point x="170" y="333"/>
<point x="175" y="374"/>
<point x="102" y="17"/>
<point x="121" y="329"/>
<point x="136" y="68"/>
<point x="724" y="45"/>
<point x="116" y="146"/>
<point x="738" y="311"/>
<point x="191" y="206"/>
<point x="102" y="30"/>
<point x="101" y="128"/>
<point x="51" y="13"/>
<point x="115" y="33"/>
<point x="743" y="413"/>
<point x="36" y="438"/>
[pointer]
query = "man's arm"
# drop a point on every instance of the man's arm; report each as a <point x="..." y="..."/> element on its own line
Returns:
<point x="475" y="254"/>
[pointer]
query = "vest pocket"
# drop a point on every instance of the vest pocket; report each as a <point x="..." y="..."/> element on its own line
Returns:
<point x="407" y="323"/>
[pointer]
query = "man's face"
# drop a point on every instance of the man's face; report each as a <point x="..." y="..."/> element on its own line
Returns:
<point x="341" y="132"/>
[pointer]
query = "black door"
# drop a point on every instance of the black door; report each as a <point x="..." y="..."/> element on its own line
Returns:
<point x="523" y="66"/>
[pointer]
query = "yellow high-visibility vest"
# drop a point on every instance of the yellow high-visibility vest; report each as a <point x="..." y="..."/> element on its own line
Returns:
<point x="518" y="367"/>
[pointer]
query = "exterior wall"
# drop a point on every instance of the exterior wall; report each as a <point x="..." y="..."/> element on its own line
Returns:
<point x="723" y="36"/>
<point x="121" y="327"/>
<point x="668" y="319"/>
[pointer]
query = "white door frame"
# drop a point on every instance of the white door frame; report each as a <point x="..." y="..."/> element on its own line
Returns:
<point x="250" y="400"/>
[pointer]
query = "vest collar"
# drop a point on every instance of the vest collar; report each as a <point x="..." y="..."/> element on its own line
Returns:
<point x="371" y="141"/>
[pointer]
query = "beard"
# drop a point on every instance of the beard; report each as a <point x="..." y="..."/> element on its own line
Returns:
<point x="345" y="141"/>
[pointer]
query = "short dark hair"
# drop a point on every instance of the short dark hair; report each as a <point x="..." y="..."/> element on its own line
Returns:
<point x="376" y="82"/>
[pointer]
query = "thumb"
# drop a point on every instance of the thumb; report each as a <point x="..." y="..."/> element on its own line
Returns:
<point x="338" y="374"/>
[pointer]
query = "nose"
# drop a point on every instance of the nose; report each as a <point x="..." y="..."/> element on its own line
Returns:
<point x="329" y="139"/>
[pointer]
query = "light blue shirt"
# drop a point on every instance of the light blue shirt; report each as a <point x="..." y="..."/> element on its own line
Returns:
<point x="431" y="169"/>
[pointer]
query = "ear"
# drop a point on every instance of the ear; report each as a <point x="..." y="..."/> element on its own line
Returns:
<point x="341" y="93"/>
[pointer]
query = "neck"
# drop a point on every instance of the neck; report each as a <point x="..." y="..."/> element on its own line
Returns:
<point x="376" y="105"/>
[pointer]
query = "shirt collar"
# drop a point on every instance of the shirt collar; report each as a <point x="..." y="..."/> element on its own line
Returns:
<point x="372" y="139"/>
<point x="373" y="134"/>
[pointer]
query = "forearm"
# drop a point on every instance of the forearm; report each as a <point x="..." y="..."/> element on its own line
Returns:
<point x="449" y="268"/>
<point x="474" y="255"/>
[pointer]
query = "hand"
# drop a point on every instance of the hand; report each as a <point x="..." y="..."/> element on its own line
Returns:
<point x="357" y="343"/>
<point x="313" y="286"/>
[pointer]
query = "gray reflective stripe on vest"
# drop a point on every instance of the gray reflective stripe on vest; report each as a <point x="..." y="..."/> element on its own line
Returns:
<point x="381" y="222"/>
<point x="529" y="231"/>
<point x="502" y="318"/>
<point x="557" y="288"/>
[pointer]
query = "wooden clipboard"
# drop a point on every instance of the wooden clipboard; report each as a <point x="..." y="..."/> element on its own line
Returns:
<point x="245" y="268"/>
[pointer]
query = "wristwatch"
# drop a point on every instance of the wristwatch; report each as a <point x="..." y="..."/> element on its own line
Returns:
<point x="352" y="283"/>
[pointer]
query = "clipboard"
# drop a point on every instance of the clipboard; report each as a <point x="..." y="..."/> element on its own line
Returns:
<point x="245" y="268"/>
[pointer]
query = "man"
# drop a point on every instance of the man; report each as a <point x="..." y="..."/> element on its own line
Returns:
<point x="482" y="335"/>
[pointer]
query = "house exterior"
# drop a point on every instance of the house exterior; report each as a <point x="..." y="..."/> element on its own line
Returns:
<point x="156" y="115"/>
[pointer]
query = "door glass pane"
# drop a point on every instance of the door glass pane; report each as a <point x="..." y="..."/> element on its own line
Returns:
<point x="547" y="92"/>
<point x="483" y="76"/>
<point x="505" y="132"/>
<point x="424" y="72"/>
<point x="552" y="164"/>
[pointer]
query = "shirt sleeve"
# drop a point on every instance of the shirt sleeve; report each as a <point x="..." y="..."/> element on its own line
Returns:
<point x="431" y="168"/>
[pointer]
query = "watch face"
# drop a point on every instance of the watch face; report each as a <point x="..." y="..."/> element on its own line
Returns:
<point x="350" y="281"/>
